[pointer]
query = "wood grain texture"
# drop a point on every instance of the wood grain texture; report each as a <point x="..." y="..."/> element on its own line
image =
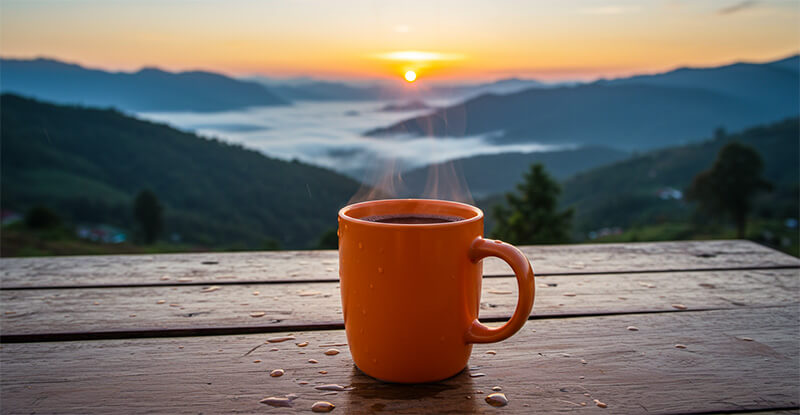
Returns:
<point x="188" y="310"/>
<point x="539" y="369"/>
<point x="295" y="266"/>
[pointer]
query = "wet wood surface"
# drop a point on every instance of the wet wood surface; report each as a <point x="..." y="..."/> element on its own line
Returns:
<point x="188" y="310"/>
<point x="180" y="332"/>
<point x="305" y="266"/>
<point x="540" y="370"/>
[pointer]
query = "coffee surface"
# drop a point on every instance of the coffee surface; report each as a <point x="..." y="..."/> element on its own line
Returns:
<point x="412" y="219"/>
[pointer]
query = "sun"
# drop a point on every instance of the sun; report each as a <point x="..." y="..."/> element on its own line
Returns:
<point x="411" y="76"/>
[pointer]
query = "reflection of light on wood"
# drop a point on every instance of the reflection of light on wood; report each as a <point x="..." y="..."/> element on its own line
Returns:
<point x="411" y="76"/>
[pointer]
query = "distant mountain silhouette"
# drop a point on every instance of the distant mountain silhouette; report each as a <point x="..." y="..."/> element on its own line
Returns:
<point x="149" y="89"/>
<point x="310" y="90"/>
<point x="641" y="112"/>
<point x="88" y="164"/>
<point x="415" y="105"/>
<point x="497" y="173"/>
<point x="333" y="91"/>
<point x="503" y="86"/>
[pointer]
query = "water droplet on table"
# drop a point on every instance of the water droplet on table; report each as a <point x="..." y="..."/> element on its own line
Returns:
<point x="280" y="339"/>
<point x="332" y="387"/>
<point x="332" y="352"/>
<point x="322" y="406"/>
<point x="277" y="373"/>
<point x="278" y="402"/>
<point x="497" y="399"/>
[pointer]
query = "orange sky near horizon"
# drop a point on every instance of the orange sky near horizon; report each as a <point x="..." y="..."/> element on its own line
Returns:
<point x="352" y="39"/>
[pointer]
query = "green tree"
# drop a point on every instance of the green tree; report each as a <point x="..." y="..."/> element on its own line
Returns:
<point x="728" y="188"/>
<point x="329" y="239"/>
<point x="147" y="211"/>
<point x="532" y="215"/>
<point x="42" y="217"/>
<point x="271" y="244"/>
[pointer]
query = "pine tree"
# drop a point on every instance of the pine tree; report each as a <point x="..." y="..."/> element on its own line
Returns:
<point x="729" y="186"/>
<point x="147" y="211"/>
<point x="532" y="216"/>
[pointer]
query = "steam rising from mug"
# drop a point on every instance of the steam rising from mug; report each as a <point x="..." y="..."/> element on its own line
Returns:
<point x="445" y="181"/>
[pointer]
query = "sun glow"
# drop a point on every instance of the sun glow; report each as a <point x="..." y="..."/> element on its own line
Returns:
<point x="411" y="76"/>
<point x="418" y="56"/>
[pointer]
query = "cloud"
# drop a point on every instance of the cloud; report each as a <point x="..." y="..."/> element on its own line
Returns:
<point x="742" y="5"/>
<point x="610" y="10"/>
<point x="418" y="56"/>
<point x="402" y="28"/>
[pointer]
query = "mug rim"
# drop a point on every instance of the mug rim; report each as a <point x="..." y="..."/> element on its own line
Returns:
<point x="478" y="213"/>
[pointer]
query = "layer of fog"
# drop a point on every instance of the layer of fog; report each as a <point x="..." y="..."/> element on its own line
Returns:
<point x="329" y="134"/>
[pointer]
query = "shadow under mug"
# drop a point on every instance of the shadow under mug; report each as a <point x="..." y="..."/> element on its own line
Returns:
<point x="411" y="292"/>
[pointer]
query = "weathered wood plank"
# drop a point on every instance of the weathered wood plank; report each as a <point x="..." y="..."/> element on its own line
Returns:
<point x="540" y="370"/>
<point x="227" y="309"/>
<point x="249" y="267"/>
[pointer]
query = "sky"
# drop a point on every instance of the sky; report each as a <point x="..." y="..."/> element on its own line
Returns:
<point x="441" y="40"/>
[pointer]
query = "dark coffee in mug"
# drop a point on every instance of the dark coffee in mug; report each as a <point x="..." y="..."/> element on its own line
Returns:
<point x="412" y="219"/>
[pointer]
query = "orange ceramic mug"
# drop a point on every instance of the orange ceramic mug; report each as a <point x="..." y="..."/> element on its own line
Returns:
<point x="411" y="292"/>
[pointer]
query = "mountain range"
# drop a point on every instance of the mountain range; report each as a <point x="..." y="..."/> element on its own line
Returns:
<point x="149" y="89"/>
<point x="490" y="174"/>
<point x="641" y="189"/>
<point x="314" y="90"/>
<point x="89" y="164"/>
<point x="636" y="113"/>
<point x="627" y="192"/>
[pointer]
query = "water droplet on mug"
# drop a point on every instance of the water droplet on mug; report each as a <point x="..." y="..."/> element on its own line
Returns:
<point x="371" y="286"/>
<point x="498" y="241"/>
<point x="380" y="270"/>
<point x="360" y="245"/>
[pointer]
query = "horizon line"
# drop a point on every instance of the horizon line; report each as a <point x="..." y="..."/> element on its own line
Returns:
<point x="514" y="73"/>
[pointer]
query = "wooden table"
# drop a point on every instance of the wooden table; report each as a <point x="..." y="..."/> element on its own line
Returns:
<point x="186" y="334"/>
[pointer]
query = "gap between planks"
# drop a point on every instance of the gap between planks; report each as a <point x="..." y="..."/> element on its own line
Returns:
<point x="328" y="326"/>
<point x="336" y="280"/>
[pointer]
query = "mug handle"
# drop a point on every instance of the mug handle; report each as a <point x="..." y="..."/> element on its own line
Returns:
<point x="482" y="248"/>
